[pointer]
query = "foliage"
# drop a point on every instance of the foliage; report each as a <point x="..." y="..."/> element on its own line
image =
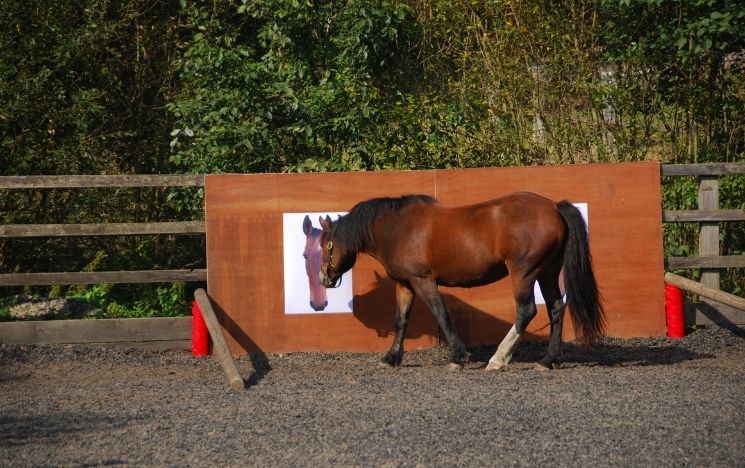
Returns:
<point x="276" y="85"/>
<point x="149" y="86"/>
<point x="160" y="301"/>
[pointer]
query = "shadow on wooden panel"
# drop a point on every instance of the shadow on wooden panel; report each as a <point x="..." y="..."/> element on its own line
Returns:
<point x="368" y="311"/>
<point x="475" y="326"/>
<point x="258" y="358"/>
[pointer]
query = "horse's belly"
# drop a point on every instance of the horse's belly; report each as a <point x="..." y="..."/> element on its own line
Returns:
<point x="477" y="275"/>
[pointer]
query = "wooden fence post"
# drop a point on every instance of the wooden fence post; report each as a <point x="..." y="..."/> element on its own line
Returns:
<point x="708" y="237"/>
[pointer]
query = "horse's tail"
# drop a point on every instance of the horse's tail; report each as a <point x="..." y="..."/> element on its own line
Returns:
<point x="582" y="292"/>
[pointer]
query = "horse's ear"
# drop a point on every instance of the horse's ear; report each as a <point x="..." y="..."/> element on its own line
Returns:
<point x="307" y="225"/>
<point x="325" y="223"/>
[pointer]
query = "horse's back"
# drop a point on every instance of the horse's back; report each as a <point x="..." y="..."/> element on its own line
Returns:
<point x="469" y="245"/>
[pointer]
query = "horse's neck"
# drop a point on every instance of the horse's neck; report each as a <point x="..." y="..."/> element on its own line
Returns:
<point x="355" y="239"/>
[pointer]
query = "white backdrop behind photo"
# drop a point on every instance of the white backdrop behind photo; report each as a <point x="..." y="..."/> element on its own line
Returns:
<point x="297" y="286"/>
<point x="582" y="207"/>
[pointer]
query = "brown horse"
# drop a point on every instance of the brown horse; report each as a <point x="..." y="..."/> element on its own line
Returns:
<point x="423" y="244"/>
<point x="312" y="256"/>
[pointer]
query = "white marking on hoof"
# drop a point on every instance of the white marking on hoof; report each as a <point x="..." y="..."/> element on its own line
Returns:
<point x="384" y="365"/>
<point x="454" y="366"/>
<point x="541" y="367"/>
<point x="495" y="366"/>
<point x="504" y="351"/>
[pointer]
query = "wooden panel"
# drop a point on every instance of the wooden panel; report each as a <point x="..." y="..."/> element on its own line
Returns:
<point x="110" y="229"/>
<point x="625" y="226"/>
<point x="74" y="181"/>
<point x="95" y="277"/>
<point x="703" y="169"/>
<point x="163" y="333"/>
<point x="244" y="253"/>
<point x="245" y="270"/>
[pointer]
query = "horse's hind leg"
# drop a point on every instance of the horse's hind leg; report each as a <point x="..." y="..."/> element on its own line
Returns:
<point x="525" y="311"/>
<point x="427" y="290"/>
<point x="556" y="307"/>
<point x="404" y="298"/>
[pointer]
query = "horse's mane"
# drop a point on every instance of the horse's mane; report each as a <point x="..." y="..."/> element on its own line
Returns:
<point x="354" y="230"/>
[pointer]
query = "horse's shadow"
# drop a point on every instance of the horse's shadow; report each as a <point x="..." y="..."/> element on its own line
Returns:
<point x="376" y="310"/>
<point x="604" y="354"/>
<point x="482" y="331"/>
<point x="477" y="327"/>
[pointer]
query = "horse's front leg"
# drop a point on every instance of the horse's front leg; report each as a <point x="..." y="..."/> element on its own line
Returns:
<point x="404" y="298"/>
<point x="427" y="290"/>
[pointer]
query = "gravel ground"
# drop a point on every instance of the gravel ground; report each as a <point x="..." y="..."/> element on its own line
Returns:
<point x="641" y="402"/>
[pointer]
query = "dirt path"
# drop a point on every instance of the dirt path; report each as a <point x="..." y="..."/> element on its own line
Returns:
<point x="651" y="402"/>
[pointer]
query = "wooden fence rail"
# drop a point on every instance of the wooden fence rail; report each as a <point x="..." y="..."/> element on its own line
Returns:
<point x="112" y="229"/>
<point x="708" y="215"/>
<point x="102" y="181"/>
<point x="170" y="333"/>
<point x="96" y="277"/>
<point x="109" y="229"/>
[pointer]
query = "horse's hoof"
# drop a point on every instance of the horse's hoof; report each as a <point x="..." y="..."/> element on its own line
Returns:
<point x="495" y="366"/>
<point x="542" y="367"/>
<point x="384" y="365"/>
<point x="454" y="366"/>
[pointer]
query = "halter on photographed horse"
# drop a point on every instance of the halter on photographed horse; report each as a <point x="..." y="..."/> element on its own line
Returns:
<point x="423" y="244"/>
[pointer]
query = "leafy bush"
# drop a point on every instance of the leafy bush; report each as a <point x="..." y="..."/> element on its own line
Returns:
<point x="152" y="86"/>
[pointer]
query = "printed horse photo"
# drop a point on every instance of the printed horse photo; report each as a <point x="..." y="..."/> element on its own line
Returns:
<point x="423" y="244"/>
<point x="313" y="255"/>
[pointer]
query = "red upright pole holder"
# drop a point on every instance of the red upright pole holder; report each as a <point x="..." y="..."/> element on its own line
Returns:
<point x="674" y="311"/>
<point x="200" y="337"/>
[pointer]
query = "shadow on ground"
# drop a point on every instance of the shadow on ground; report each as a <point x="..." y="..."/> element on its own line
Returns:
<point x="603" y="354"/>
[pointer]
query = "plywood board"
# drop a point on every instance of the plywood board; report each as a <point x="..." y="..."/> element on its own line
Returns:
<point x="245" y="254"/>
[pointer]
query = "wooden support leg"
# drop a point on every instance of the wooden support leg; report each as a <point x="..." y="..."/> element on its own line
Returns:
<point x="218" y="340"/>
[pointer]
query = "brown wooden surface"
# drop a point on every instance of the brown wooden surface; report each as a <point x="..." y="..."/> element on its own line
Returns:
<point x="245" y="271"/>
<point x="708" y="232"/>
<point x="703" y="169"/>
<point x="95" y="277"/>
<point x="723" y="261"/>
<point x="109" y="229"/>
<point x="149" y="333"/>
<point x="687" y="216"/>
<point x="74" y="181"/>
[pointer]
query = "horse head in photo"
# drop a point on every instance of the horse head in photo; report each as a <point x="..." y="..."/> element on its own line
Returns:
<point x="313" y="255"/>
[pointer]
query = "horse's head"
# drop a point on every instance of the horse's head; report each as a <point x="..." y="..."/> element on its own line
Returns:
<point x="337" y="258"/>
<point x="313" y="256"/>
